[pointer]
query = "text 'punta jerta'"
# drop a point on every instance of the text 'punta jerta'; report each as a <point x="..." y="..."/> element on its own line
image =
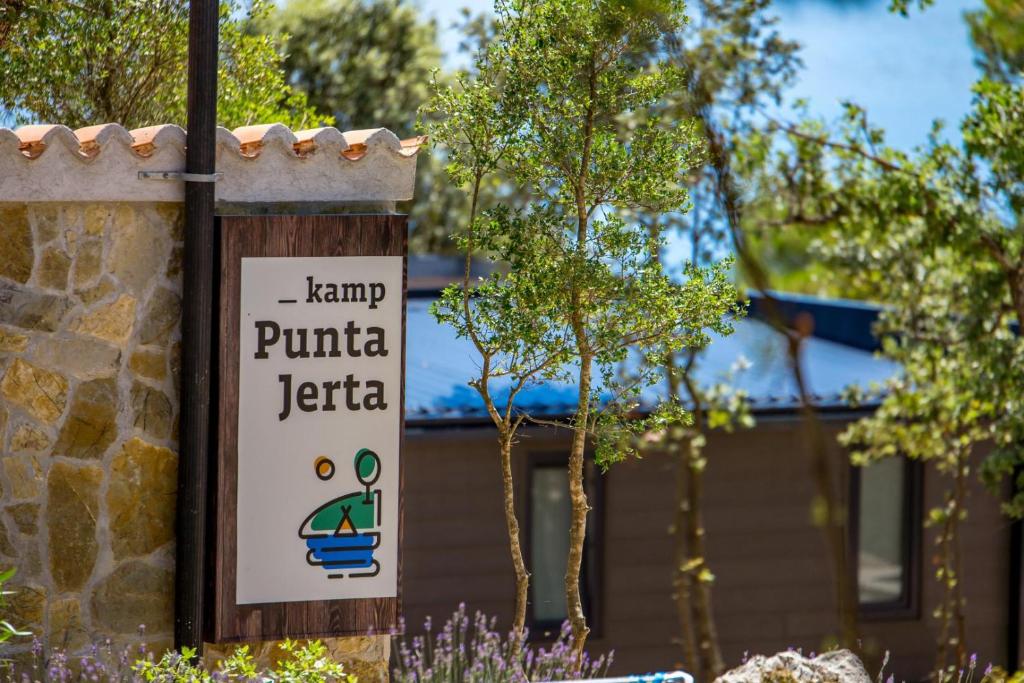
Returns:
<point x="348" y="393"/>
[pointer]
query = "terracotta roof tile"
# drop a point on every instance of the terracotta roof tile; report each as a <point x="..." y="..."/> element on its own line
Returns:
<point x="249" y="141"/>
<point x="147" y="139"/>
<point x="31" y="153"/>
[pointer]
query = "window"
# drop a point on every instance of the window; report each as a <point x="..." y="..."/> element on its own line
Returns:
<point x="886" y="523"/>
<point x="548" y="543"/>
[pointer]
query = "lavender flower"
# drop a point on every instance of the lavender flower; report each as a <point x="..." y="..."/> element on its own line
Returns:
<point x="472" y="650"/>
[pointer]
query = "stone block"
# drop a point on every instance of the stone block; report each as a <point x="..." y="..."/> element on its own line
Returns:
<point x="54" y="266"/>
<point x="174" y="262"/>
<point x="17" y="255"/>
<point x="141" y="497"/>
<point x="12" y="342"/>
<point x="134" y="594"/>
<point x="29" y="562"/>
<point x="139" y="251"/>
<point x="6" y="547"/>
<point x="72" y="509"/>
<point x="149" y="363"/>
<point x="367" y="672"/>
<point x="25" y="517"/>
<point x="24" y="476"/>
<point x="88" y="262"/>
<point x="26" y="607"/>
<point x="41" y="392"/>
<point x="112" y="321"/>
<point x="47" y="219"/>
<point x="151" y="411"/>
<point x="175" y="363"/>
<point x="98" y="292"/>
<point x="170" y="218"/>
<point x="91" y="424"/>
<point x="161" y="317"/>
<point x="96" y="218"/>
<point x="64" y="626"/>
<point x="30" y="309"/>
<point x="83" y="357"/>
<point x="29" y="437"/>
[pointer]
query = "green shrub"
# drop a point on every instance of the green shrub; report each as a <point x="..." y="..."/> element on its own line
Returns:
<point x="7" y="630"/>
<point x="308" y="663"/>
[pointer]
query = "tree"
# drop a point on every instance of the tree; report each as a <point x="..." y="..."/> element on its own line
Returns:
<point x="367" y="63"/>
<point x="10" y="14"/>
<point x="734" y="62"/>
<point x="97" y="61"/>
<point x="936" y="236"/>
<point x="370" y="63"/>
<point x="502" y="315"/>
<point x="998" y="39"/>
<point x="554" y="86"/>
<point x="698" y="411"/>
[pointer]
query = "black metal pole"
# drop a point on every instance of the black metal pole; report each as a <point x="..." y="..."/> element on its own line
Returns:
<point x="196" y="322"/>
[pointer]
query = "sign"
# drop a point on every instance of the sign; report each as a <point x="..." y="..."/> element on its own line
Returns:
<point x="309" y="482"/>
<point x="319" y="419"/>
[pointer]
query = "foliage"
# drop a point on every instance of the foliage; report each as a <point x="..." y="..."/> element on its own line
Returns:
<point x="7" y="630"/>
<point x="998" y="39"/>
<point x="308" y="663"/>
<point x="103" y="663"/>
<point x="584" y="288"/>
<point x="461" y="653"/>
<point x="935" y="236"/>
<point x="966" y="674"/>
<point x="367" y="63"/>
<point x="98" y="61"/>
<point x="370" y="63"/>
<point x="734" y="62"/>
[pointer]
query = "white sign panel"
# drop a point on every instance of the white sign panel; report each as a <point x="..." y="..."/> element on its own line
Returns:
<point x="319" y="421"/>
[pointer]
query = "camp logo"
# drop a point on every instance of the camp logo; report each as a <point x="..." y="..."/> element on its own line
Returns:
<point x="342" y="534"/>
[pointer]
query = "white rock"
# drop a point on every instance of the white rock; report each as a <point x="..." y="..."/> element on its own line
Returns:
<point x="838" y="666"/>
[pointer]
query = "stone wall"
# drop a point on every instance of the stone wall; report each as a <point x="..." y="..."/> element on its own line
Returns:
<point x="89" y="348"/>
<point x="89" y="345"/>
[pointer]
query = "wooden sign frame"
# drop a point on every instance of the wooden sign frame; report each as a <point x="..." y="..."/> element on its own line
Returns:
<point x="284" y="236"/>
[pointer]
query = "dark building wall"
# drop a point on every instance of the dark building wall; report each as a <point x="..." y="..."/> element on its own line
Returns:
<point x="773" y="586"/>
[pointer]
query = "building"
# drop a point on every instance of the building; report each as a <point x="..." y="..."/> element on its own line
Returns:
<point x="773" y="588"/>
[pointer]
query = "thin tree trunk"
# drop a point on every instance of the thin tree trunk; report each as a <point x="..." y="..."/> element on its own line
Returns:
<point x="506" y="434"/>
<point x="577" y="491"/>
<point x="711" y="664"/>
<point x="681" y="578"/>
<point x="953" y="633"/>
<point x="945" y="609"/>
<point x="835" y="522"/>
<point x="580" y="508"/>
<point x="958" y="599"/>
<point x="522" y="576"/>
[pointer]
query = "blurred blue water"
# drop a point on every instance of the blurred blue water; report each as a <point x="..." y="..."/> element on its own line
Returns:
<point x="906" y="71"/>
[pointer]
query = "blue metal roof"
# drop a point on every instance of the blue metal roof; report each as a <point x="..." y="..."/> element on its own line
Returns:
<point x="438" y="366"/>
